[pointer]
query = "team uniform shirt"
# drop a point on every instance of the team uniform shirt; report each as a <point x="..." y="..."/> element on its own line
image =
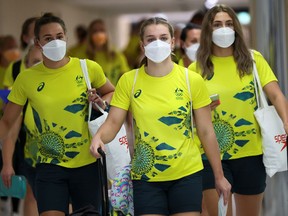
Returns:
<point x="113" y="65"/>
<point x="31" y="147"/>
<point x="196" y="138"/>
<point x="164" y="149"/>
<point x="76" y="49"/>
<point x="236" y="128"/>
<point x="2" y="75"/>
<point x="178" y="53"/>
<point x="32" y="140"/>
<point x="58" y="98"/>
<point x="181" y="62"/>
<point x="133" y="51"/>
<point x="8" y="79"/>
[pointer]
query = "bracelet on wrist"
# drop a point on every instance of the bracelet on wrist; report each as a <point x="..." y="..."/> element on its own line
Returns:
<point x="106" y="106"/>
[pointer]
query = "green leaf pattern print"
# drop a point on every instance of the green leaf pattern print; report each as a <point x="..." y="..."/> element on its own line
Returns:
<point x="52" y="146"/>
<point x="227" y="125"/>
<point x="180" y="119"/>
<point x="146" y="160"/>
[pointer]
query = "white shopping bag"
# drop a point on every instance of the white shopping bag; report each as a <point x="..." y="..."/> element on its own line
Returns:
<point x="117" y="151"/>
<point x="222" y="209"/>
<point x="272" y="131"/>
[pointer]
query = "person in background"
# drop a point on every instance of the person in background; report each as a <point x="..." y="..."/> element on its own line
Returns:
<point x="226" y="64"/>
<point x="27" y="166"/>
<point x="177" y="49"/>
<point x="65" y="170"/>
<point x="26" y="39"/>
<point x="189" y="42"/>
<point x="198" y="16"/>
<point x="9" y="52"/>
<point x="113" y="62"/>
<point x="166" y="165"/>
<point x="80" y="46"/>
<point x="132" y="51"/>
<point x="14" y="68"/>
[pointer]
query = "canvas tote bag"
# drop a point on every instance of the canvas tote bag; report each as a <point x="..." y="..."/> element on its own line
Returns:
<point x="117" y="151"/>
<point x="272" y="131"/>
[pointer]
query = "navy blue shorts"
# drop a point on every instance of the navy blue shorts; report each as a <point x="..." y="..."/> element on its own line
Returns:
<point x="169" y="197"/>
<point x="30" y="173"/>
<point x="57" y="186"/>
<point x="246" y="175"/>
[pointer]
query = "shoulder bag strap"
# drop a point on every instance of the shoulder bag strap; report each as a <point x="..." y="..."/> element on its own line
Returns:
<point x="16" y="69"/>
<point x="88" y="83"/>
<point x="260" y="96"/>
<point x="190" y="96"/>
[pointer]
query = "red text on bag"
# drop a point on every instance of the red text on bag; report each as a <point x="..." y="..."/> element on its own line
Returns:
<point x="281" y="138"/>
<point x="123" y="141"/>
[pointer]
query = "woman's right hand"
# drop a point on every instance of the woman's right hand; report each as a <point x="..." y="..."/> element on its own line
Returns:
<point x="6" y="173"/>
<point x="95" y="144"/>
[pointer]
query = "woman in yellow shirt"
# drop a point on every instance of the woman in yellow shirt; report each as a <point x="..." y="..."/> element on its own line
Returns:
<point x="226" y="64"/>
<point x="166" y="164"/>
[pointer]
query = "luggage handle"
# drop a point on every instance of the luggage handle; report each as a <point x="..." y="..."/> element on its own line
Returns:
<point x="104" y="178"/>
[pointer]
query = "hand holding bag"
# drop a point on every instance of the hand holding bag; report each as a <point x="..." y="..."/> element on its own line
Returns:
<point x="117" y="151"/>
<point x="272" y="130"/>
<point x="17" y="189"/>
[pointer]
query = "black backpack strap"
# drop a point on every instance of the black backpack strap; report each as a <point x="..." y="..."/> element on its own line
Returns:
<point x="16" y="69"/>
<point x="22" y="133"/>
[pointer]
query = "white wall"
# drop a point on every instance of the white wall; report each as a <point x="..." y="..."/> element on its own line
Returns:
<point x="14" y="12"/>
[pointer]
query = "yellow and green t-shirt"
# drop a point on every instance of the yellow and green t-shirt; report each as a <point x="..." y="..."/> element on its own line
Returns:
<point x="31" y="147"/>
<point x="113" y="64"/>
<point x="58" y="98"/>
<point x="8" y="79"/>
<point x="237" y="131"/>
<point x="32" y="139"/>
<point x="164" y="148"/>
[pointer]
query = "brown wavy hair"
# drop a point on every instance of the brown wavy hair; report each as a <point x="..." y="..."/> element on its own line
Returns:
<point x="241" y="53"/>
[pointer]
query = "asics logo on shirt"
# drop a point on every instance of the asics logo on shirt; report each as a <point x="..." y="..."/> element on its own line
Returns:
<point x="41" y="86"/>
<point x="137" y="93"/>
<point x="179" y="94"/>
<point x="79" y="79"/>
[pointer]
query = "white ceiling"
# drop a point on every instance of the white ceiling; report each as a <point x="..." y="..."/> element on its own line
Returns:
<point x="148" y="6"/>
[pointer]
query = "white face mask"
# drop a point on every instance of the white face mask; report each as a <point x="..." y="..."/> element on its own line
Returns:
<point x="157" y="51"/>
<point x="191" y="51"/>
<point x="223" y="37"/>
<point x="55" y="50"/>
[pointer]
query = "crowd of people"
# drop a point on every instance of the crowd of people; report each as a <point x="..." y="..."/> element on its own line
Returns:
<point x="188" y="150"/>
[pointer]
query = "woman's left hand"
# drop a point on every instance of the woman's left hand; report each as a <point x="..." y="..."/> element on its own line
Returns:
<point x="214" y="104"/>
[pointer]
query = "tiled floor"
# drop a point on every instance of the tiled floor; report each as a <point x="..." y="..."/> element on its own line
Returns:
<point x="8" y="209"/>
<point x="276" y="195"/>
